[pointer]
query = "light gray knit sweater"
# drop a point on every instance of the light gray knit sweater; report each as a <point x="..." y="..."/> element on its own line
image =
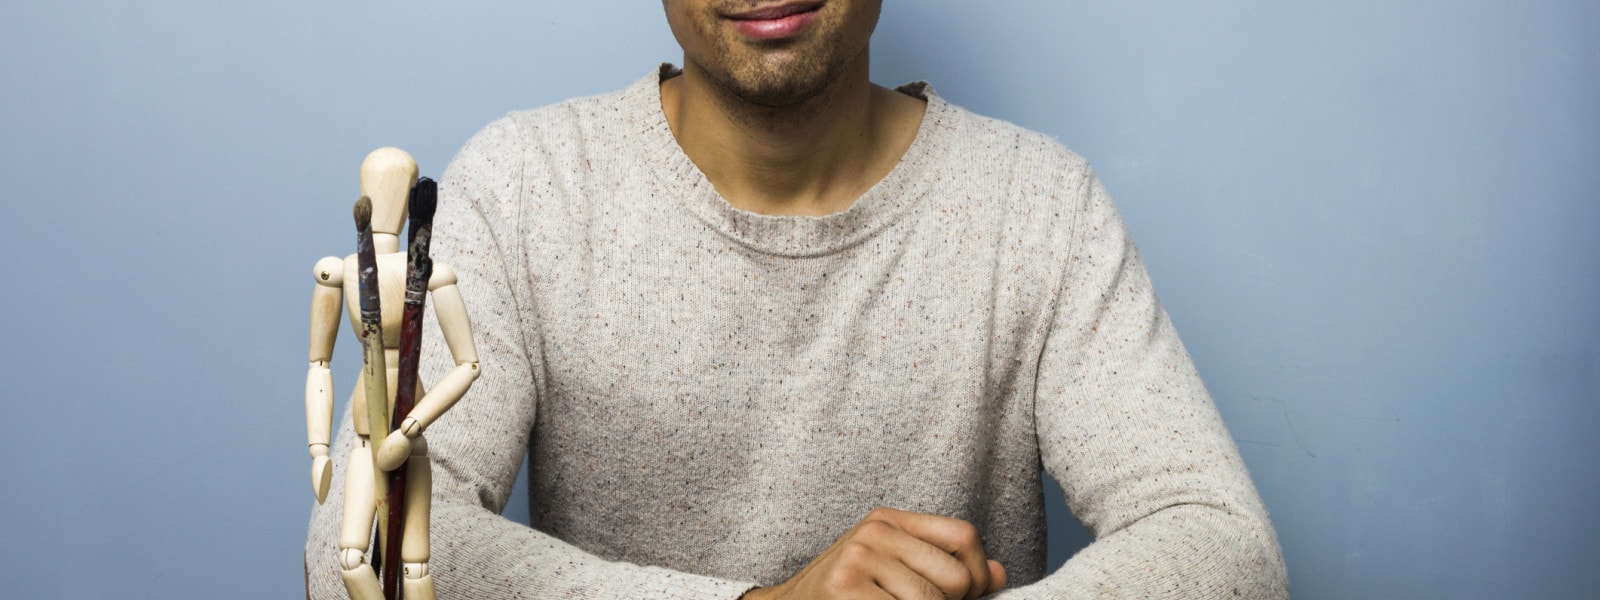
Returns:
<point x="709" y="397"/>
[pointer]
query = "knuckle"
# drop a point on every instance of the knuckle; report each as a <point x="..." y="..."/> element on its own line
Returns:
<point x="841" y="581"/>
<point x="875" y="528"/>
<point x="853" y="552"/>
<point x="965" y="534"/>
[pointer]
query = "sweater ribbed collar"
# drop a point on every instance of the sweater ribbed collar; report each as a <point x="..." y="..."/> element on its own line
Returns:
<point x="794" y="236"/>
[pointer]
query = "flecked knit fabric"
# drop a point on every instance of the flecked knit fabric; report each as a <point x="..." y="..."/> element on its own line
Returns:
<point x="710" y="397"/>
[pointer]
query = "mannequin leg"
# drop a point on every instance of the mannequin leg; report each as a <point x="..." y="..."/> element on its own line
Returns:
<point x="418" y="584"/>
<point x="355" y="531"/>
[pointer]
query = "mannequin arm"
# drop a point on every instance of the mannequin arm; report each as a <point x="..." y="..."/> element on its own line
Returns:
<point x="457" y="330"/>
<point x="326" y="306"/>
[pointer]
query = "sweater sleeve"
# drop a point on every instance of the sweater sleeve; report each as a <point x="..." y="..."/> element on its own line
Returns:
<point x="477" y="448"/>
<point x="1126" y="426"/>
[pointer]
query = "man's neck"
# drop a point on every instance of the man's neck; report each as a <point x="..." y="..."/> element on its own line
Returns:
<point x="811" y="159"/>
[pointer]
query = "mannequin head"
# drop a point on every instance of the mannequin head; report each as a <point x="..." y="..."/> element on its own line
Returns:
<point x="387" y="175"/>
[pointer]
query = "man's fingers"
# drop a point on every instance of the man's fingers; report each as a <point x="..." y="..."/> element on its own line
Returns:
<point x="997" y="577"/>
<point x="939" y="568"/>
<point x="951" y="535"/>
<point x="955" y="537"/>
<point x="895" y="577"/>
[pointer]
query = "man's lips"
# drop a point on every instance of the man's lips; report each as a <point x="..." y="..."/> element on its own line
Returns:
<point x="776" y="22"/>
<point x="778" y="11"/>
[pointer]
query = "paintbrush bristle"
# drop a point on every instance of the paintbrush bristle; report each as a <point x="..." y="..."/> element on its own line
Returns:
<point x="425" y="201"/>
<point x="364" y="213"/>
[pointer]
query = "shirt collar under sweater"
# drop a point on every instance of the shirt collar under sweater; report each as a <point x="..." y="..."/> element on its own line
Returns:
<point x="796" y="236"/>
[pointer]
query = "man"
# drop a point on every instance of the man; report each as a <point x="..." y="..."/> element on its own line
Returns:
<point x="767" y="330"/>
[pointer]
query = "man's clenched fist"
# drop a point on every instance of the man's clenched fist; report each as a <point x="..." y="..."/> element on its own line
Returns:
<point x="899" y="555"/>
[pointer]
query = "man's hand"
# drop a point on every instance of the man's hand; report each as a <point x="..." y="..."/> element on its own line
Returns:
<point x="899" y="555"/>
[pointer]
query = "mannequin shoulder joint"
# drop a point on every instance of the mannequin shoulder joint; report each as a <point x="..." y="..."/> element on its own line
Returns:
<point x="329" y="272"/>
<point x="442" y="276"/>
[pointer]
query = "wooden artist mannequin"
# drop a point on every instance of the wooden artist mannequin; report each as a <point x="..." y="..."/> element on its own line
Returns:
<point x="387" y="175"/>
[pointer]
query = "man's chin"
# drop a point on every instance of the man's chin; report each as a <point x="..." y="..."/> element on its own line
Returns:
<point x="777" y="97"/>
<point x="789" y="88"/>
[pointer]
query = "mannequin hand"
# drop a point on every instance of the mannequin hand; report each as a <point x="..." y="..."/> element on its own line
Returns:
<point x="395" y="450"/>
<point x="321" y="476"/>
<point x="897" y="554"/>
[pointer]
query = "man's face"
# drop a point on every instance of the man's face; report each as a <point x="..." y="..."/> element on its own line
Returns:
<point x="773" y="53"/>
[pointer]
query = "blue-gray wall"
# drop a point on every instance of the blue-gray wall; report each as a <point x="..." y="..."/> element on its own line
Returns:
<point x="1375" y="224"/>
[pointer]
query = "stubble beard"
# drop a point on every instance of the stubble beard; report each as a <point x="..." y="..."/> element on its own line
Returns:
<point x="769" y="92"/>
